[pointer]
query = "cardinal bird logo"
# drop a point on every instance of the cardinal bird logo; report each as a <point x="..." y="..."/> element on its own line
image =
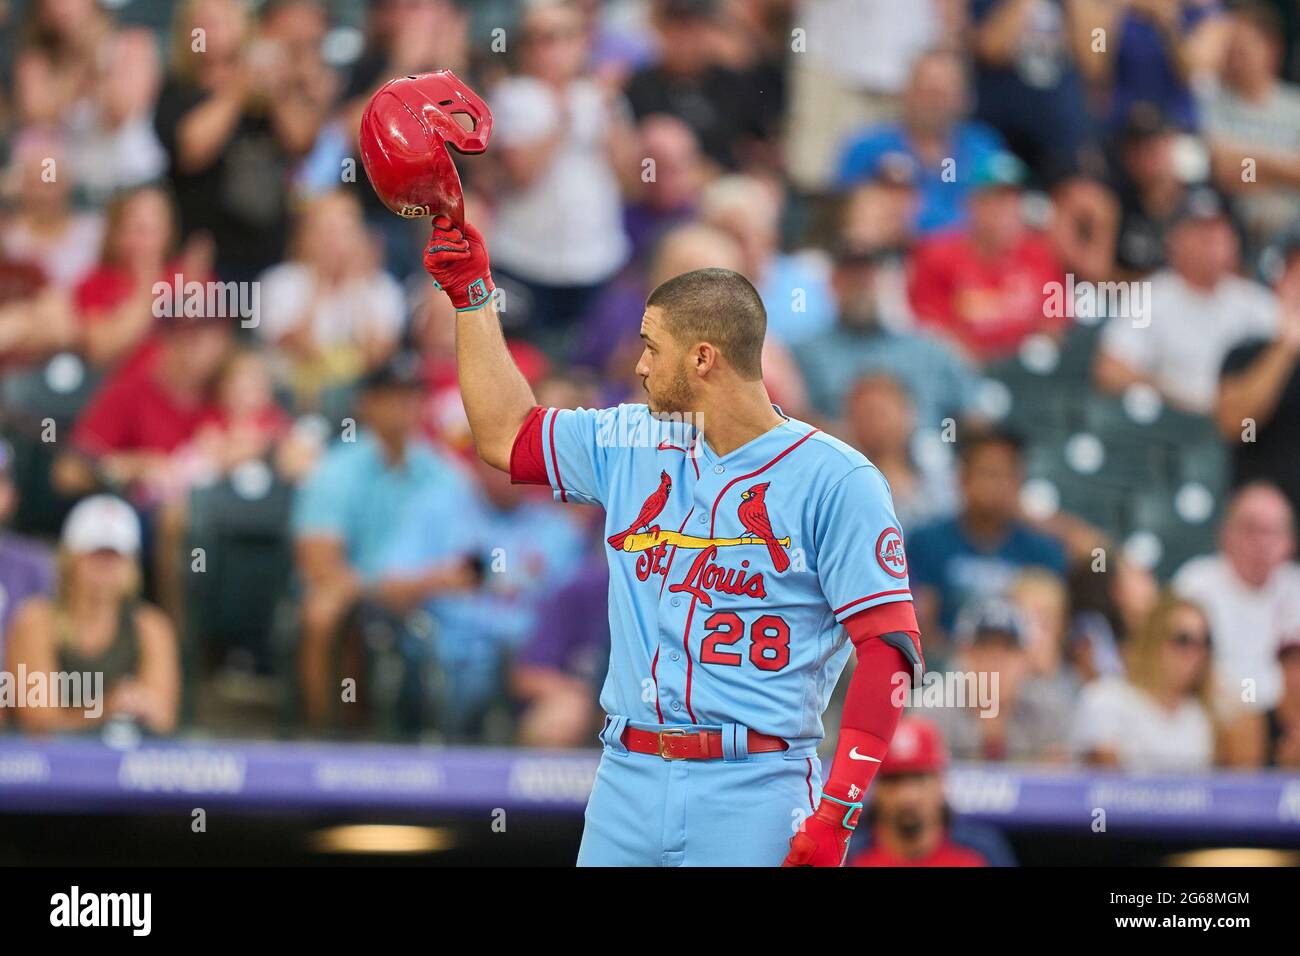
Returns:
<point x="753" y="515"/>
<point x="649" y="511"/>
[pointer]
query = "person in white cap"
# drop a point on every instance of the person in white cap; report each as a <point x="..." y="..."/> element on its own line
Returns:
<point x="96" y="624"/>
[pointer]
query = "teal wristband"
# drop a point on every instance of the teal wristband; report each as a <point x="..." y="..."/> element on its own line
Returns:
<point x="848" y="812"/>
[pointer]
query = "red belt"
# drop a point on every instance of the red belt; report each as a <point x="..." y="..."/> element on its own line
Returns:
<point x="692" y="744"/>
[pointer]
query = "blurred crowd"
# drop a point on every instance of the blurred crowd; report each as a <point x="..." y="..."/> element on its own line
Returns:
<point x="1038" y="259"/>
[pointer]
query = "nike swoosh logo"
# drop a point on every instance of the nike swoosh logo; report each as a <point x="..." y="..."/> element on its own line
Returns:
<point x="854" y="755"/>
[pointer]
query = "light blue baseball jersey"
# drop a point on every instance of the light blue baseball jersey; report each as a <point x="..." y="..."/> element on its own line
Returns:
<point x="730" y="575"/>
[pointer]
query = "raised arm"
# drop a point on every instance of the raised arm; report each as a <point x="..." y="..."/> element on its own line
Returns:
<point x="497" y="397"/>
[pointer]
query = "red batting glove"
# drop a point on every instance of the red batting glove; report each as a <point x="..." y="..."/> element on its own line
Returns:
<point x="823" y="839"/>
<point x="458" y="262"/>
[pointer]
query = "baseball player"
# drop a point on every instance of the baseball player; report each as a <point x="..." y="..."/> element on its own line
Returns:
<point x="750" y="554"/>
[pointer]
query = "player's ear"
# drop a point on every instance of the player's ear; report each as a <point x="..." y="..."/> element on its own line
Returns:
<point x="704" y="357"/>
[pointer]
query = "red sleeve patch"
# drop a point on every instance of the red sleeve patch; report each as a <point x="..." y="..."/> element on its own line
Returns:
<point x="890" y="554"/>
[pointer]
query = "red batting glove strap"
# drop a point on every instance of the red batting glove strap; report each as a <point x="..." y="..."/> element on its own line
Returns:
<point x="823" y="839"/>
<point x="458" y="261"/>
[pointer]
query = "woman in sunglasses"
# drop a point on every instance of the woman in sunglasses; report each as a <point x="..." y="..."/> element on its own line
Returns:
<point x="1159" y="717"/>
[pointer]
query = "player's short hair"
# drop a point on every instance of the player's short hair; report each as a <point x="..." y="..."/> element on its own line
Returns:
<point x="720" y="307"/>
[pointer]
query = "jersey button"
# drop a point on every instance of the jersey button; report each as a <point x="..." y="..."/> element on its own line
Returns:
<point x="718" y="469"/>
<point x="675" y="656"/>
<point x="675" y="602"/>
<point x="677" y="705"/>
<point x="704" y="519"/>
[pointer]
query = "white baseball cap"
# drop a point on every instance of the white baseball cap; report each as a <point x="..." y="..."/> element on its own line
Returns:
<point x="102" y="523"/>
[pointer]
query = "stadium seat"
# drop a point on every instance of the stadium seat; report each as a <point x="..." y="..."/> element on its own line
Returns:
<point x="1164" y="513"/>
<point x="1078" y="349"/>
<point x="1086" y="456"/>
<point x="58" y="389"/>
<point x="1040" y="408"/>
<point x="41" y="509"/>
<point x="1100" y="504"/>
<point x="248" y="560"/>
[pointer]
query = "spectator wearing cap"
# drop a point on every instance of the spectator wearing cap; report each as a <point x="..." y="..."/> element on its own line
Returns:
<point x="1023" y="717"/>
<point x="1272" y="738"/>
<point x="939" y="384"/>
<point x="979" y="552"/>
<point x="1160" y="717"/>
<point x="909" y="822"/>
<point x="1250" y="113"/>
<point x="982" y="287"/>
<point x="1151" y="188"/>
<point x="566" y="149"/>
<point x="1250" y="590"/>
<point x="1198" y="309"/>
<point x="730" y="114"/>
<point x="348" y="514"/>
<point x="880" y="422"/>
<point x="26" y="569"/>
<point x="97" y="624"/>
<point x="528" y="547"/>
<point x="330" y="313"/>
<point x="1030" y="62"/>
<point x="934" y="134"/>
<point x="1259" y="384"/>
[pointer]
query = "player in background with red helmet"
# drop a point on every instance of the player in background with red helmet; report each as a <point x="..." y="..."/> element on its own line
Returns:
<point x="909" y="821"/>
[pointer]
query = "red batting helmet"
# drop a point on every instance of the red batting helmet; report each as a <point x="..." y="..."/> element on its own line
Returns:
<point x="405" y="131"/>
<point x="917" y="747"/>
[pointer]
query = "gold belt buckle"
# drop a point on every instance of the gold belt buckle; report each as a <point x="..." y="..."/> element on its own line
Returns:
<point x="670" y="733"/>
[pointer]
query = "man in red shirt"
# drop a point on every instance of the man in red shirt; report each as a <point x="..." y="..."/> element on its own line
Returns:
<point x="909" y="819"/>
<point x="141" y="415"/>
<point x="982" y="287"/>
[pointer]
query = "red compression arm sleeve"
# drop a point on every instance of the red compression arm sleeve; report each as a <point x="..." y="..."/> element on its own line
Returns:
<point x="876" y="694"/>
